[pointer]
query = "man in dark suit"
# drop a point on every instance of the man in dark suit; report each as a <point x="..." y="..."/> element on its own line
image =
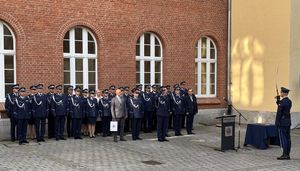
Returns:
<point x="283" y="123"/>
<point x="9" y="107"/>
<point x="191" y="110"/>
<point x="51" y="117"/>
<point x="119" y="113"/>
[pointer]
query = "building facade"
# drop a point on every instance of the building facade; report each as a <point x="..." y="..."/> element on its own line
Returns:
<point x="265" y="50"/>
<point x="123" y="42"/>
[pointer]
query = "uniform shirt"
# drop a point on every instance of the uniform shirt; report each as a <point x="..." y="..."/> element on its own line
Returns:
<point x="283" y="116"/>
<point x="39" y="105"/>
<point x="162" y="105"/>
<point x="92" y="108"/>
<point x="59" y="107"/>
<point x="136" y="108"/>
<point x="76" y="107"/>
<point x="104" y="106"/>
<point x="177" y="104"/>
<point x="22" y="108"/>
<point x="148" y="101"/>
<point x="9" y="103"/>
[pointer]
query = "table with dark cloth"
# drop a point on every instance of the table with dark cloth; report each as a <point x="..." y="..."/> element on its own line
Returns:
<point x="261" y="135"/>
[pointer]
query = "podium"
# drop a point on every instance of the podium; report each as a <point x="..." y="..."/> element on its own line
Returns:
<point x="228" y="132"/>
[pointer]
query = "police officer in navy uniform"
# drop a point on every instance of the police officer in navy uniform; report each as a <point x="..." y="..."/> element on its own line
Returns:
<point x="59" y="109"/>
<point x="127" y="96"/>
<point x="283" y="123"/>
<point x="31" y="121"/>
<point x="105" y="113"/>
<point x="92" y="112"/>
<point x="9" y="107"/>
<point x="149" y="108"/>
<point x="178" y="110"/>
<point x="40" y="112"/>
<point x="191" y="110"/>
<point x="51" y="117"/>
<point x="22" y="112"/>
<point x="183" y="92"/>
<point x="69" y="118"/>
<point x="155" y="93"/>
<point x="163" y="113"/>
<point x="76" y="110"/>
<point x="84" y="117"/>
<point x="136" y="114"/>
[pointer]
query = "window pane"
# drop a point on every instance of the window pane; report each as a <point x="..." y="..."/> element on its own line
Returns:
<point x="90" y="37"/>
<point x="92" y="87"/>
<point x="91" y="48"/>
<point x="79" y="66"/>
<point x="92" y="65"/>
<point x="8" y="43"/>
<point x="138" y="41"/>
<point x="196" y="68"/>
<point x="203" y="78"/>
<point x="147" y="50"/>
<point x="157" y="78"/>
<point x="203" y="42"/>
<point x="7" y="89"/>
<point x="137" y="66"/>
<point x="157" y="51"/>
<point x="147" y="66"/>
<point x="212" y="68"/>
<point x="66" y="64"/>
<point x="156" y="41"/>
<point x="92" y="78"/>
<point x="196" y="52"/>
<point x="212" y="78"/>
<point x="147" y="38"/>
<point x="203" y="89"/>
<point x="147" y="78"/>
<point x="157" y="66"/>
<point x="78" y="47"/>
<point x="137" y="75"/>
<point x="212" y="46"/>
<point x="9" y="76"/>
<point x="203" y="68"/>
<point x="137" y="50"/>
<point x="8" y="62"/>
<point x="66" y="77"/>
<point x="79" y="77"/>
<point x="67" y="35"/>
<point x="212" y="89"/>
<point x="203" y="53"/>
<point x="66" y="46"/>
<point x="212" y="54"/>
<point x="6" y="30"/>
<point x="78" y="33"/>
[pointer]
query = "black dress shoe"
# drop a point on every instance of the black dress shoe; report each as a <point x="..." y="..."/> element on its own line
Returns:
<point x="165" y="140"/>
<point x="191" y="133"/>
<point x="160" y="140"/>
<point x="80" y="138"/>
<point x="21" y="143"/>
<point x="13" y="140"/>
<point x="57" y="139"/>
<point x="138" y="138"/>
<point x="284" y="157"/>
<point x="167" y="135"/>
<point x="63" y="138"/>
<point x="43" y="140"/>
<point x="25" y="141"/>
<point x="123" y="139"/>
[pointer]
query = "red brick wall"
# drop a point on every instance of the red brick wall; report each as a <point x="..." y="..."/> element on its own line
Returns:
<point x="40" y="26"/>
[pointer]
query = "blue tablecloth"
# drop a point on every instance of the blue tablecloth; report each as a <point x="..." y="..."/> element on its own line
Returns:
<point x="261" y="135"/>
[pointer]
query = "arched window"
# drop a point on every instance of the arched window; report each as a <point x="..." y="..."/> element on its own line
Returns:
<point x="80" y="58"/>
<point x="206" y="68"/>
<point x="149" y="53"/>
<point x="7" y="60"/>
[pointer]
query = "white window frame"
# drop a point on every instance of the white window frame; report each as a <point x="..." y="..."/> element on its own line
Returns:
<point x="206" y="61"/>
<point x="84" y="56"/>
<point x="142" y="58"/>
<point x="2" y="61"/>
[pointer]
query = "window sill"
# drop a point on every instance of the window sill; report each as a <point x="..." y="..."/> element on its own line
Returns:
<point x="209" y="101"/>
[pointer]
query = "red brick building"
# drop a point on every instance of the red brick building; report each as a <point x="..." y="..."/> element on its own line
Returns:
<point x="123" y="42"/>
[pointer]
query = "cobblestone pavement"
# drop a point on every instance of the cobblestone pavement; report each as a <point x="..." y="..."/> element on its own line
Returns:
<point x="195" y="152"/>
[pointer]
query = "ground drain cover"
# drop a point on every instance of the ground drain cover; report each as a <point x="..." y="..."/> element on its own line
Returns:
<point x="151" y="162"/>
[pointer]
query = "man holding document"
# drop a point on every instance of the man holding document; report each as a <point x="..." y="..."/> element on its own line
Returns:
<point x="119" y="113"/>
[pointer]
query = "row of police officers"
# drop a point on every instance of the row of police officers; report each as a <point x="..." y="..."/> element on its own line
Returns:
<point x="147" y="109"/>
